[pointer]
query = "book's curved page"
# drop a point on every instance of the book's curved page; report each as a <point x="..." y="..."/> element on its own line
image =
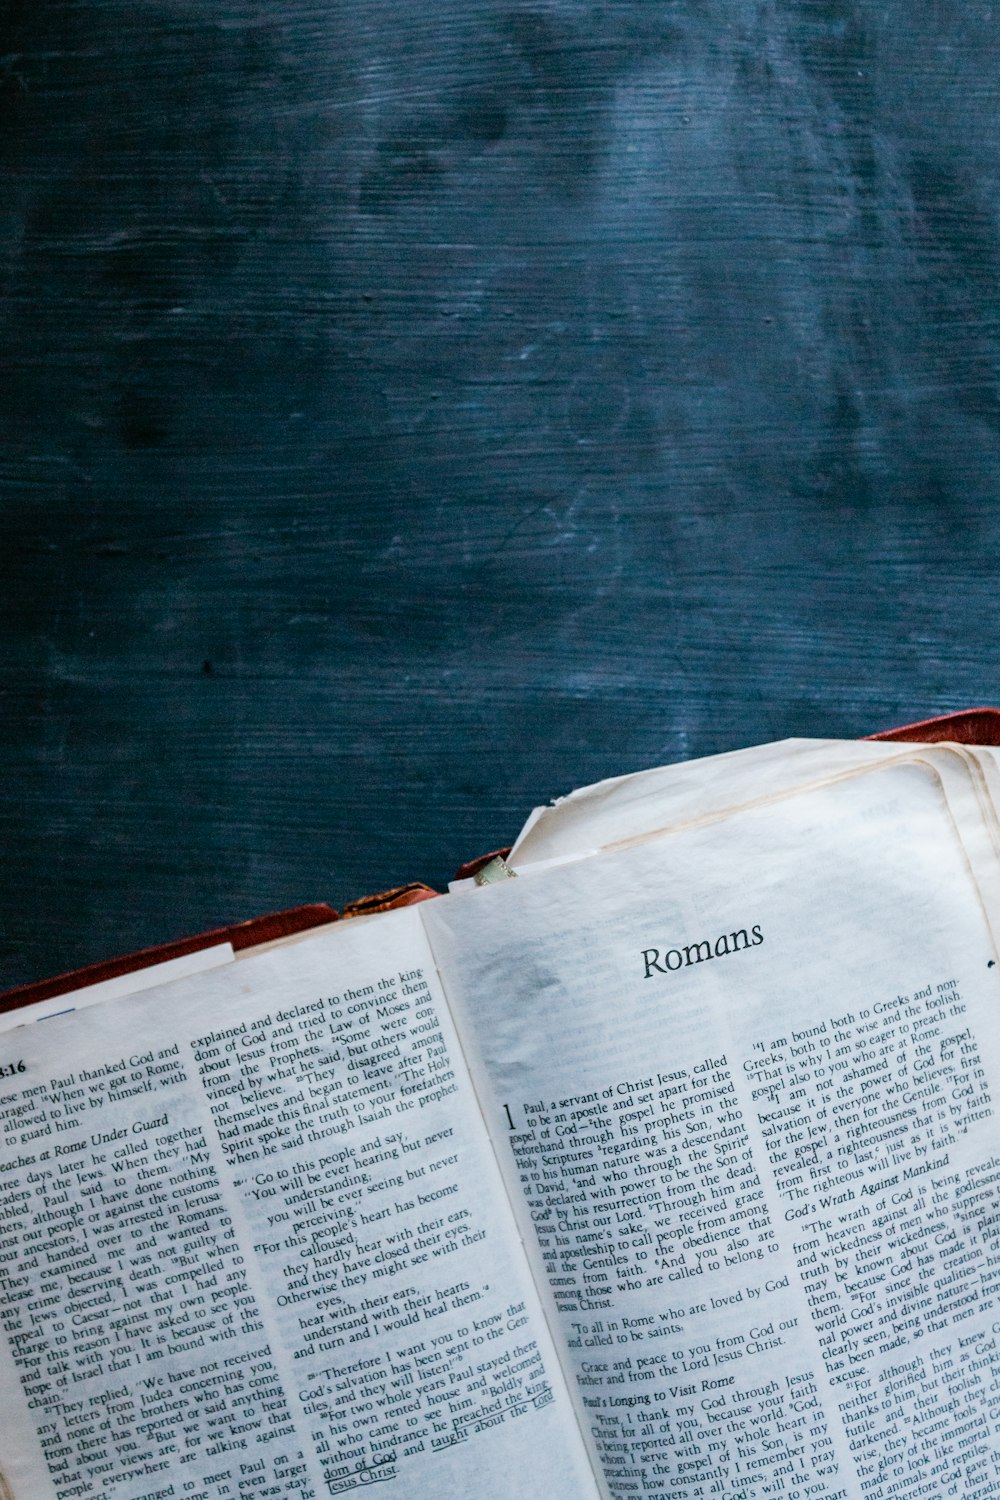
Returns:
<point x="649" y="802"/>
<point x="986" y="761"/>
<point x="748" y="1076"/>
<point x="121" y="985"/>
<point x="254" y="1241"/>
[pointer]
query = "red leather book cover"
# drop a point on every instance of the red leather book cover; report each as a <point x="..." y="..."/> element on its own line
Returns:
<point x="973" y="726"/>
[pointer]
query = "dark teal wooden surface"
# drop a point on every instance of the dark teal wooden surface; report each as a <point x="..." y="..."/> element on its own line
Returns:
<point x="410" y="412"/>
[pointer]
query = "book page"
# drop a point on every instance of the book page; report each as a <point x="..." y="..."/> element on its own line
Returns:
<point x="131" y="983"/>
<point x="254" y="1242"/>
<point x="984" y="760"/>
<point x="651" y="802"/>
<point x="746" y="1075"/>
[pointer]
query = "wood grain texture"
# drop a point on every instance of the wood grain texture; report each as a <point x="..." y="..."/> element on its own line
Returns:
<point x="411" y="412"/>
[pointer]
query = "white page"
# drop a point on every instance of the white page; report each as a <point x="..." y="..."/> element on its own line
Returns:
<point x="254" y="1240"/>
<point x="987" y="766"/>
<point x="649" y="802"/>
<point x="765" y="1283"/>
<point x="132" y="983"/>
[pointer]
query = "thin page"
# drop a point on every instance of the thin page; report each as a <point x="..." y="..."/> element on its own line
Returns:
<point x="255" y="1241"/>
<point x="986" y="761"/>
<point x="746" y="1075"/>
<point x="652" y="802"/>
<point x="131" y="983"/>
<point x="974" y="819"/>
<point x="591" y="816"/>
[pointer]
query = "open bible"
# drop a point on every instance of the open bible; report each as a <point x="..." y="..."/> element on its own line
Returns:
<point x="668" y="1167"/>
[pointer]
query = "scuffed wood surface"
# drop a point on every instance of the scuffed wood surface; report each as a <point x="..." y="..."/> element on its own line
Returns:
<point x="411" y="412"/>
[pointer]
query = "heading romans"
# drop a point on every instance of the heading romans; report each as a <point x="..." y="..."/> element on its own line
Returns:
<point x="697" y="953"/>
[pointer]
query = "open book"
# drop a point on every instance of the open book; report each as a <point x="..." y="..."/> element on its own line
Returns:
<point x="669" y="1167"/>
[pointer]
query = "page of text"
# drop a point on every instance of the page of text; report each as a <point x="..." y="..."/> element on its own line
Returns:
<point x="254" y="1242"/>
<point x="747" y="1080"/>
